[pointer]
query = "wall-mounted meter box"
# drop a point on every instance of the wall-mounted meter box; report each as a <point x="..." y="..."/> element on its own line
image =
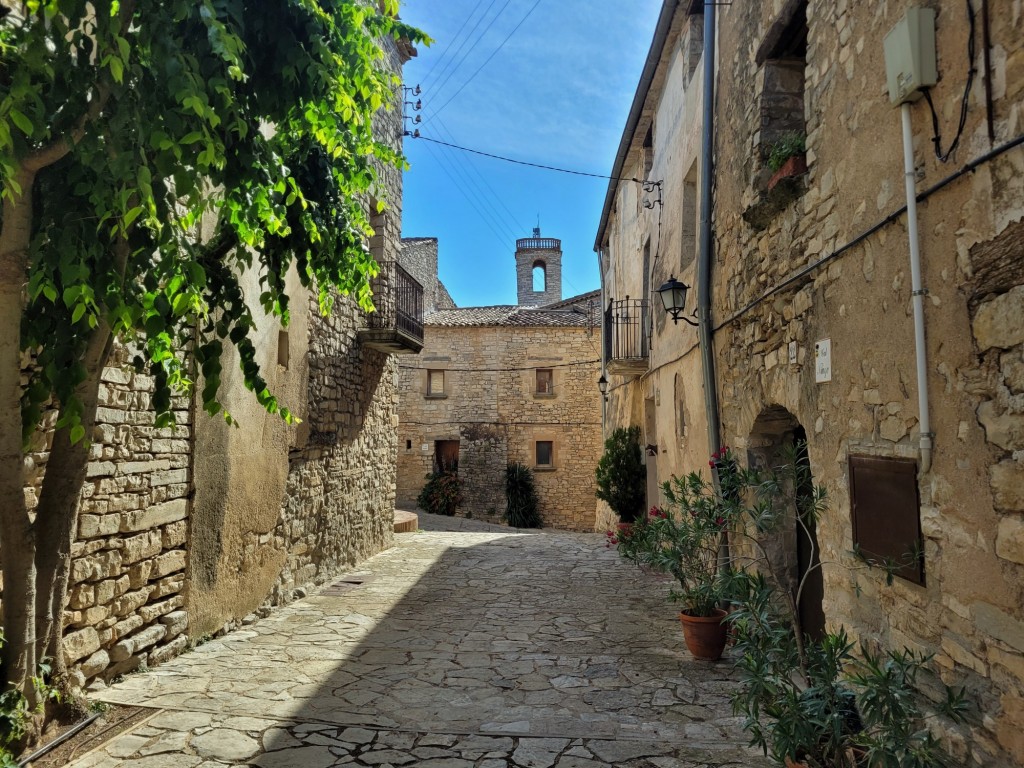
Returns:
<point x="910" y="62"/>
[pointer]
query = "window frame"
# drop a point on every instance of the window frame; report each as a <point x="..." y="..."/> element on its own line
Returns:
<point x="550" y="391"/>
<point x="550" y="467"/>
<point x="430" y="393"/>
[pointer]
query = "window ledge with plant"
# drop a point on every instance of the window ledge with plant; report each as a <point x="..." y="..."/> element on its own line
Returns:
<point x="781" y="181"/>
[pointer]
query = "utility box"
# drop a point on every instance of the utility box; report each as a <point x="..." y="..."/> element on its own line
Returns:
<point x="910" y="61"/>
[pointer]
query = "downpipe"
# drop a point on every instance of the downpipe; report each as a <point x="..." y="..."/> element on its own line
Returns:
<point x="917" y="291"/>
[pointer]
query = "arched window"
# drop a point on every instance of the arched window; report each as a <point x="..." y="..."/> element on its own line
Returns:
<point x="540" y="277"/>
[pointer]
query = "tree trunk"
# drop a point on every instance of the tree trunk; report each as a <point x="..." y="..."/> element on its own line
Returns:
<point x="57" y="513"/>
<point x="17" y="543"/>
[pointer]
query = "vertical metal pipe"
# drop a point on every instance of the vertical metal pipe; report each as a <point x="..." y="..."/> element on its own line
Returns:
<point x="917" y="290"/>
<point x="704" y="330"/>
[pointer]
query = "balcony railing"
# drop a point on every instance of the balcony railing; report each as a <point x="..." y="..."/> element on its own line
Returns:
<point x="626" y="349"/>
<point x="539" y="244"/>
<point x="397" y="325"/>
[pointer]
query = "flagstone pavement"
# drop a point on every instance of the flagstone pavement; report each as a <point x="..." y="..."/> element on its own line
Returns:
<point x="466" y="646"/>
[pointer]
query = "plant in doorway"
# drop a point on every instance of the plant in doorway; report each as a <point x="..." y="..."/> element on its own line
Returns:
<point x="621" y="476"/>
<point x="523" y="506"/>
<point x="825" y="701"/>
<point x="442" y="494"/>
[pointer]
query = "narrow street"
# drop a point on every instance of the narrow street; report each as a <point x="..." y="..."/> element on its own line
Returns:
<point x="472" y="646"/>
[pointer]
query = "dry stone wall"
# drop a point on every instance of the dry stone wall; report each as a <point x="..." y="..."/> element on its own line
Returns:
<point x="125" y="599"/>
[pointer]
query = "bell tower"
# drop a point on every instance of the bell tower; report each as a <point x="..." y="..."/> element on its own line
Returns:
<point x="538" y="270"/>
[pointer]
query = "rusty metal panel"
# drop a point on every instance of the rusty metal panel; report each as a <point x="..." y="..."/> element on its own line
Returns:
<point x="886" y="513"/>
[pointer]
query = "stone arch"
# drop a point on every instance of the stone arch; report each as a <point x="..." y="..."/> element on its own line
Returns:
<point x="794" y="549"/>
<point x="540" y="276"/>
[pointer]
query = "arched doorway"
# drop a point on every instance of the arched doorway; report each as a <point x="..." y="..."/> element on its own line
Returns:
<point x="776" y="437"/>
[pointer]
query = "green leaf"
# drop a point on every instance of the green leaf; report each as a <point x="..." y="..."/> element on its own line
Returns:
<point x="20" y="120"/>
<point x="77" y="433"/>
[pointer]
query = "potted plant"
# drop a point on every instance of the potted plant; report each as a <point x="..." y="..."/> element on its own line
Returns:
<point x="684" y="540"/>
<point x="621" y="476"/>
<point x="787" y="157"/>
<point x="816" y="703"/>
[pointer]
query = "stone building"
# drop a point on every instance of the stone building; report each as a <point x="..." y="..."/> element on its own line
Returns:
<point x="813" y="322"/>
<point x="191" y="531"/>
<point x="504" y="384"/>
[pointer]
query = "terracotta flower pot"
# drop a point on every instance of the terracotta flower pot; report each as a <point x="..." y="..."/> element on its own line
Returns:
<point x="704" y="635"/>
<point x="794" y="166"/>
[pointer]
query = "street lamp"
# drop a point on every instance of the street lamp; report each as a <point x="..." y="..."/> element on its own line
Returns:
<point x="673" y="297"/>
<point x="602" y="384"/>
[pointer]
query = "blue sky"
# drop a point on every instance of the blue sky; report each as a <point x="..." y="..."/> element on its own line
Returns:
<point x="557" y="93"/>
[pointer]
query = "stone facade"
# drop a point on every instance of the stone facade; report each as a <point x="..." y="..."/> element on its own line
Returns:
<point x="489" y="358"/>
<point x="190" y="531"/>
<point x="419" y="257"/>
<point x="826" y="258"/>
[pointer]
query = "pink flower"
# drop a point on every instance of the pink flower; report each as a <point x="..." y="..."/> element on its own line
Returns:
<point x="719" y="521"/>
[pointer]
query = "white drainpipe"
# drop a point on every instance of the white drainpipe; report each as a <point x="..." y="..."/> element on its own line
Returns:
<point x="917" y="291"/>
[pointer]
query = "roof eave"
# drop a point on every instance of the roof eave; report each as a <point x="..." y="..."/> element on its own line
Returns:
<point x="661" y="33"/>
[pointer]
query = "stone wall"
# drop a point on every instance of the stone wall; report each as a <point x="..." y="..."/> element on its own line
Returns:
<point x="491" y="408"/>
<point x="419" y="257"/>
<point x="968" y="612"/>
<point x="125" y="591"/>
<point x="787" y="274"/>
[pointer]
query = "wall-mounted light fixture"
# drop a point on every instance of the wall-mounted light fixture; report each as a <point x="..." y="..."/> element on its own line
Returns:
<point x="602" y="384"/>
<point x="673" y="297"/>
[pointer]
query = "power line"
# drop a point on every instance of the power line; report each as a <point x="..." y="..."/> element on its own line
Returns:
<point x="483" y="217"/>
<point x="495" y="53"/>
<point x="483" y="178"/>
<point x="531" y="165"/>
<point x="467" y="38"/>
<point x="477" y="42"/>
<point x="500" y="370"/>
<point x="454" y="37"/>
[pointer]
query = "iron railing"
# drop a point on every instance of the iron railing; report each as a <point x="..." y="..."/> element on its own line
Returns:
<point x="398" y="297"/>
<point x="624" y="324"/>
<point x="538" y="244"/>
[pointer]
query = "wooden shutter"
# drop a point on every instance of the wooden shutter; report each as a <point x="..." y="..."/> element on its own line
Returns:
<point x="886" y="512"/>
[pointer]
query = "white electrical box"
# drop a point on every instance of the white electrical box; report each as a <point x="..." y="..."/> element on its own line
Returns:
<point x="910" y="62"/>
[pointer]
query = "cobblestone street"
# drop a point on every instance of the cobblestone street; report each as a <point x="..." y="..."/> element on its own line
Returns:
<point x="473" y="646"/>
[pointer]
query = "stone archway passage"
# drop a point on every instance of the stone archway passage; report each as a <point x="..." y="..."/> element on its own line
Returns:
<point x="776" y="437"/>
<point x="473" y="646"/>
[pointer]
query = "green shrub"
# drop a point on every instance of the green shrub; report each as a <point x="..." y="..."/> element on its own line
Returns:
<point x="521" y="495"/>
<point x="621" y="475"/>
<point x="442" y="493"/>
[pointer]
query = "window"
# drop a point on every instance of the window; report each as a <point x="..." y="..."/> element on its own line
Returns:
<point x="886" y="515"/>
<point x="545" y="453"/>
<point x="545" y="381"/>
<point x="649" y="152"/>
<point x="783" y="55"/>
<point x="435" y="383"/>
<point x="283" y="352"/>
<point x="408" y="445"/>
<point x="540" y="277"/>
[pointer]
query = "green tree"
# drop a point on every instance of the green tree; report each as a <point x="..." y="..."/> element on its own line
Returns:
<point x="621" y="478"/>
<point x="151" y="151"/>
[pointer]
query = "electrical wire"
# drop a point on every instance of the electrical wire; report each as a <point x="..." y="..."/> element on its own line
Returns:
<point x="943" y="157"/>
<point x="441" y="164"/>
<point x="573" y="423"/>
<point x="487" y="184"/>
<point x="447" y="47"/>
<point x="488" y="60"/>
<point x="476" y="42"/>
<point x="468" y="37"/>
<point x="528" y="164"/>
<point x="499" y="370"/>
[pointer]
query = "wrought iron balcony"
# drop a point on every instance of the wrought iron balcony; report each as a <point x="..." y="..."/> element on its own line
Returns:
<point x="626" y="349"/>
<point x="397" y="325"/>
